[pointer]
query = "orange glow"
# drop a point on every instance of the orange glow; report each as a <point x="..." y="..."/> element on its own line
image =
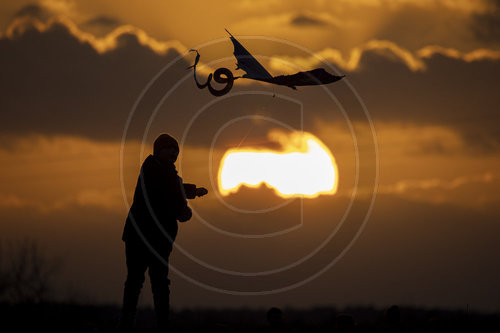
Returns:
<point x="304" y="167"/>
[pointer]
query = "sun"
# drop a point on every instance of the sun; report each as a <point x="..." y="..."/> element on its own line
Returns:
<point x="304" y="167"/>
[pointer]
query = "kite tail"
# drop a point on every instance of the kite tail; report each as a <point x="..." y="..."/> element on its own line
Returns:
<point x="221" y="75"/>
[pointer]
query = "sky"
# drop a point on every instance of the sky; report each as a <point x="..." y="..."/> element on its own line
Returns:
<point x="86" y="86"/>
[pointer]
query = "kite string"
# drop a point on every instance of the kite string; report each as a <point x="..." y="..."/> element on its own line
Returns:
<point x="253" y="123"/>
<point x="246" y="135"/>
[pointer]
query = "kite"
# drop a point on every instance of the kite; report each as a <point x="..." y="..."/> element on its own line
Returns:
<point x="255" y="71"/>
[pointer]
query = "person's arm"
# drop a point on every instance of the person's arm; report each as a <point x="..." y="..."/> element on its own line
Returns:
<point x="179" y="198"/>
<point x="192" y="191"/>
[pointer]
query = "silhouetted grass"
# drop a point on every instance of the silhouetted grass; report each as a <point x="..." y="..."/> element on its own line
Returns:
<point x="59" y="317"/>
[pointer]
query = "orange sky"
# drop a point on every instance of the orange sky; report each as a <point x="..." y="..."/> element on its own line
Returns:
<point x="427" y="72"/>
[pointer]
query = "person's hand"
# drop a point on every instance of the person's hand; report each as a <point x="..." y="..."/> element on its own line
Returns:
<point x="185" y="214"/>
<point x="201" y="191"/>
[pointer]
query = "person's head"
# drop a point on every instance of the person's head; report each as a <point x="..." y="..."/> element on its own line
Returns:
<point x="166" y="148"/>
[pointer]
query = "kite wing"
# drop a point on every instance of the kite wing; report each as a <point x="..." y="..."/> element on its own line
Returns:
<point x="254" y="70"/>
<point x="310" y="78"/>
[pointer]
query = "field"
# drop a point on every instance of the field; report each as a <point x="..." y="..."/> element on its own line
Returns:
<point x="87" y="318"/>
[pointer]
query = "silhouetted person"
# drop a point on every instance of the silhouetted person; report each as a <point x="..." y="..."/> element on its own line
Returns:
<point x="159" y="202"/>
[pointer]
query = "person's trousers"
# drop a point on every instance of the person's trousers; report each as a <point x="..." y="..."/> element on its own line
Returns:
<point x="139" y="259"/>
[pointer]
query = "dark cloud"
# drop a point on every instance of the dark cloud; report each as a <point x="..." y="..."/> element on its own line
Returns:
<point x="52" y="83"/>
<point x="303" y="20"/>
<point x="103" y="20"/>
<point x="450" y="93"/>
<point x="33" y="11"/>
<point x="486" y="26"/>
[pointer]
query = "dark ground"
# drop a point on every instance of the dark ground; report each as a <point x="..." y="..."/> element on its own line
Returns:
<point x="85" y="318"/>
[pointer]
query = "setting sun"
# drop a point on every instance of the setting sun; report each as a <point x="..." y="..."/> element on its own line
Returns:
<point x="303" y="167"/>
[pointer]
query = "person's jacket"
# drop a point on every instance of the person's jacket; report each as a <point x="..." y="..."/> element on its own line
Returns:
<point x="159" y="201"/>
